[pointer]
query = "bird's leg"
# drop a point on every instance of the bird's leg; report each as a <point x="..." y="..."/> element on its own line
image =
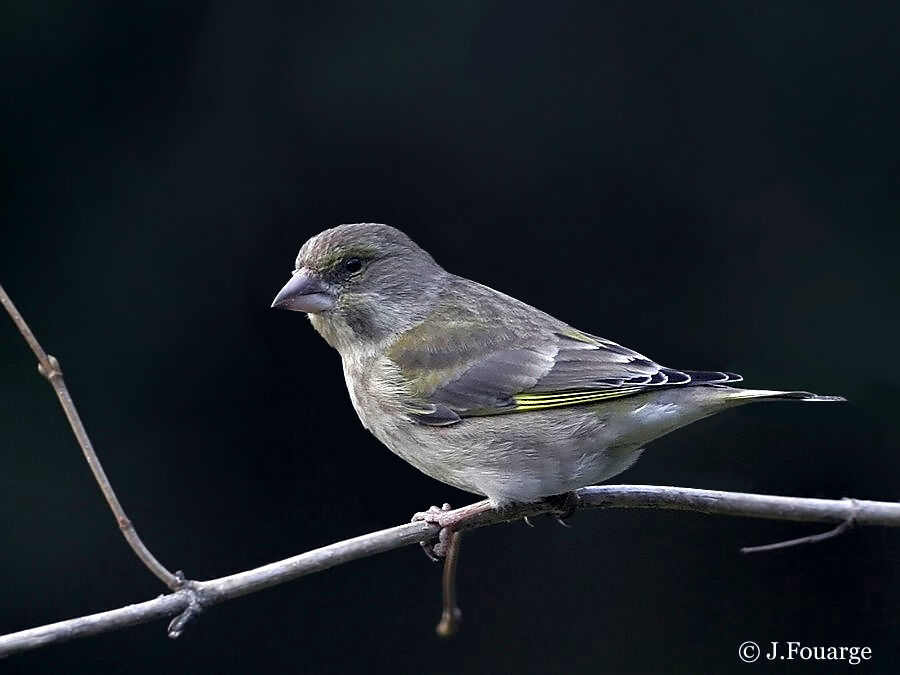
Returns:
<point x="561" y="507"/>
<point x="435" y="551"/>
<point x="456" y="521"/>
<point x="564" y="505"/>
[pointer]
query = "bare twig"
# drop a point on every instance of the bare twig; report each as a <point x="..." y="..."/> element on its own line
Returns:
<point x="206" y="593"/>
<point x="811" y="539"/>
<point x="49" y="367"/>
<point x="451" y="614"/>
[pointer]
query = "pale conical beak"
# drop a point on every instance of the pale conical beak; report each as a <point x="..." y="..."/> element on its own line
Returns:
<point x="305" y="292"/>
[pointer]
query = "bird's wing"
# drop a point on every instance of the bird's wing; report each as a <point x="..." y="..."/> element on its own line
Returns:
<point x="467" y="365"/>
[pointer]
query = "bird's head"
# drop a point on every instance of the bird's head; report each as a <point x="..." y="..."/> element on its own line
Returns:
<point x="360" y="283"/>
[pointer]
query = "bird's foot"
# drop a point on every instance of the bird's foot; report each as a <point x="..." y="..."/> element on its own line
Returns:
<point x="564" y="506"/>
<point x="438" y="550"/>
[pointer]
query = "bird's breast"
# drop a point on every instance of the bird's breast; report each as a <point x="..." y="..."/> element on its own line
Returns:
<point x="378" y="393"/>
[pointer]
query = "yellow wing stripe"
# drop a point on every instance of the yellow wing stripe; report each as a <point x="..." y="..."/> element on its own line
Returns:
<point x="556" y="400"/>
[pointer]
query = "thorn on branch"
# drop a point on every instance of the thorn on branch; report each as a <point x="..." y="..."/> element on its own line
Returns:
<point x="194" y="608"/>
<point x="813" y="538"/>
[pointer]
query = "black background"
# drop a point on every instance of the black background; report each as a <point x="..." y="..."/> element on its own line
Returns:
<point x="713" y="184"/>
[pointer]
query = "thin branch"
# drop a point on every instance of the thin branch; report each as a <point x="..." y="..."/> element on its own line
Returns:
<point x="811" y="539"/>
<point x="49" y="367"/>
<point x="203" y="594"/>
<point x="451" y="614"/>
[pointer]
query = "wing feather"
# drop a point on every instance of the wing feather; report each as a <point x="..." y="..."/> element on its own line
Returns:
<point x="462" y="362"/>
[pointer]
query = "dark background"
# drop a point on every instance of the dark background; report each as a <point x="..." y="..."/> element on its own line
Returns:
<point x="713" y="184"/>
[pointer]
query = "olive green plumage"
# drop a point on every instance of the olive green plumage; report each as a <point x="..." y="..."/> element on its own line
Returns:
<point x="478" y="389"/>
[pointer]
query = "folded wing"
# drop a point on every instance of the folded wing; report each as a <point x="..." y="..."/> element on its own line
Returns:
<point x="467" y="367"/>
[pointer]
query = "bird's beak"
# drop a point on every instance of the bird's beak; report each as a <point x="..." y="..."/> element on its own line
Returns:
<point x="305" y="292"/>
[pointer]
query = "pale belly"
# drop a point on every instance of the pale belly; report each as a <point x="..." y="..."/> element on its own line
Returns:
<point x="521" y="457"/>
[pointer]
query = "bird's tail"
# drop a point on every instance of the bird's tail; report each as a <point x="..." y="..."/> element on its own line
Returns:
<point x="747" y="395"/>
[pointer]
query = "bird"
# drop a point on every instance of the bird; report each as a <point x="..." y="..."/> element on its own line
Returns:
<point x="480" y="390"/>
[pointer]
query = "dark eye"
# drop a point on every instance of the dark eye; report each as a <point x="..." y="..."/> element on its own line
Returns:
<point x="352" y="265"/>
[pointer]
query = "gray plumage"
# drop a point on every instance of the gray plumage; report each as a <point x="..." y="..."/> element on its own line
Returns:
<point x="478" y="389"/>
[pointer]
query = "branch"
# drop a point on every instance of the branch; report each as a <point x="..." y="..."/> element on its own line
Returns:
<point x="202" y="594"/>
<point x="189" y="598"/>
<point x="49" y="367"/>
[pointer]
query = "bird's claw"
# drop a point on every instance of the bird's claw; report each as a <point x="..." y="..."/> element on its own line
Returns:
<point x="564" y="506"/>
<point x="438" y="550"/>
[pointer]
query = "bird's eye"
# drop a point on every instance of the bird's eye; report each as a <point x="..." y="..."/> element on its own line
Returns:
<point x="352" y="265"/>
